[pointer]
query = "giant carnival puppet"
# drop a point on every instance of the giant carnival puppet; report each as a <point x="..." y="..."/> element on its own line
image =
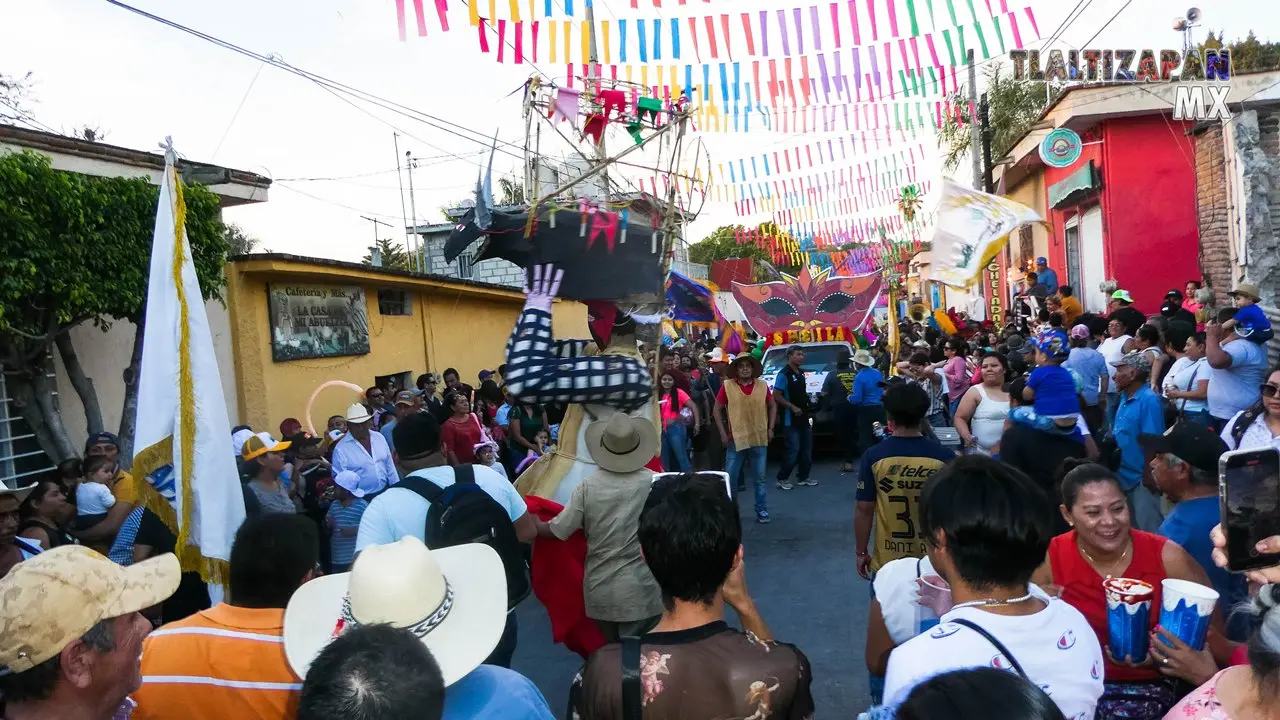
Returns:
<point x="596" y="255"/>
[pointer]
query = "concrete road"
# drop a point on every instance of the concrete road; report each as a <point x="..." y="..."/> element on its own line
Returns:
<point x="802" y="574"/>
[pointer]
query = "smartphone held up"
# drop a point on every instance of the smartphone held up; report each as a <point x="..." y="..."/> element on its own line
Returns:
<point x="1249" y="497"/>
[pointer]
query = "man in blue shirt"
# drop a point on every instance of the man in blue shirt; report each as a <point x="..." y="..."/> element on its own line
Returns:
<point x="791" y="393"/>
<point x="865" y="398"/>
<point x="1138" y="413"/>
<point x="1046" y="275"/>
<point x="1185" y="470"/>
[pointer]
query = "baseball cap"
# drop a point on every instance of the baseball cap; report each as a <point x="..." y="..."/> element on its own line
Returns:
<point x="1197" y="445"/>
<point x="1080" y="332"/>
<point x="1136" y="359"/>
<point x="1122" y="295"/>
<point x="405" y="397"/>
<point x="416" y="436"/>
<point x="302" y="439"/>
<point x="261" y="444"/>
<point x="1174" y="293"/>
<point x="1042" y="261"/>
<point x="349" y="480"/>
<point x="53" y="599"/>
<point x="1170" y="308"/>
<point x="290" y="426"/>
<point x="239" y="437"/>
<point x="101" y="438"/>
<point x="486" y="374"/>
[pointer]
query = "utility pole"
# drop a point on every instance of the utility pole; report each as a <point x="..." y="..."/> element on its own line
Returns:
<point x="593" y="65"/>
<point x="975" y="138"/>
<point x="984" y="115"/>
<point x="424" y="260"/>
<point x="408" y="234"/>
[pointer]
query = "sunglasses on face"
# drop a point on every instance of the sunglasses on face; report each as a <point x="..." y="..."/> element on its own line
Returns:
<point x="1269" y="390"/>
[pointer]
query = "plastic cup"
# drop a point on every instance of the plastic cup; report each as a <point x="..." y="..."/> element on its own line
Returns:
<point x="934" y="601"/>
<point x="1128" y="618"/>
<point x="1185" y="610"/>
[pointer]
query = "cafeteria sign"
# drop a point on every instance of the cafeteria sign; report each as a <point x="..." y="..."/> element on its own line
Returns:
<point x="315" y="321"/>
<point x="1061" y="148"/>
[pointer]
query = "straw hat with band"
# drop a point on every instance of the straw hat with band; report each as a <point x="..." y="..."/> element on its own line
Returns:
<point x="453" y="599"/>
<point x="261" y="444"/>
<point x="622" y="443"/>
<point x="53" y="599"/>
<point x="756" y="366"/>
<point x="863" y="358"/>
<point x="1248" y="290"/>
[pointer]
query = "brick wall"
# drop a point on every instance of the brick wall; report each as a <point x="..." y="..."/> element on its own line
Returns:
<point x="1212" y="209"/>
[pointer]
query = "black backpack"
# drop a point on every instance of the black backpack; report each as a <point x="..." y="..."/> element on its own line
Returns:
<point x="464" y="513"/>
<point x="1247" y="418"/>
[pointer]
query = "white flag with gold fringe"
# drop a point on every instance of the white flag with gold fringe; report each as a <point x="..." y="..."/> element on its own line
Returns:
<point x="182" y="415"/>
<point x="970" y="227"/>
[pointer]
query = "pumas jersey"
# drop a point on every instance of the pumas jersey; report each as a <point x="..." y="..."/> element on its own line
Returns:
<point x="891" y="475"/>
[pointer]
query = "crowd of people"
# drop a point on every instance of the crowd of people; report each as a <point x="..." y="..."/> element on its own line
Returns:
<point x="380" y="563"/>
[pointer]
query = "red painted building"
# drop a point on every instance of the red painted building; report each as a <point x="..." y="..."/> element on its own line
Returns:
<point x="1125" y="210"/>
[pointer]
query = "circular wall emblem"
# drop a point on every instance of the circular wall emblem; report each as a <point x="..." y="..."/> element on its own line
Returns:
<point x="1060" y="148"/>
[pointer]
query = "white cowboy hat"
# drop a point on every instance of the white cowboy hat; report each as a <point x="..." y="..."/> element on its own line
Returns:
<point x="453" y="599"/>
<point x="622" y="444"/>
<point x="20" y="493"/>
<point x="358" y="413"/>
<point x="716" y="355"/>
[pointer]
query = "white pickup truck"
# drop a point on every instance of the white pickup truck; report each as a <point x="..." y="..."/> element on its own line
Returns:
<point x="820" y="358"/>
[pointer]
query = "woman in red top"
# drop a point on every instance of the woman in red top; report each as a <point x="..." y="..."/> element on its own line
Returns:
<point x="1103" y="544"/>
<point x="461" y="431"/>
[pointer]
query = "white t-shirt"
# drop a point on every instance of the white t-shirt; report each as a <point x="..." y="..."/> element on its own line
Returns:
<point x="93" y="498"/>
<point x="1185" y="375"/>
<point x="398" y="512"/>
<point x="1055" y="647"/>
<point x="1112" y="349"/>
<point x="898" y="595"/>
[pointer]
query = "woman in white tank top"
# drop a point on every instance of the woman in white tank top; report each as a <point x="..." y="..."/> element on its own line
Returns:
<point x="984" y="407"/>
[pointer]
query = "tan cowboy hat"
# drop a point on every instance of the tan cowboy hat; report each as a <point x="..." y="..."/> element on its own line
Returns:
<point x="622" y="444"/>
<point x="745" y="357"/>
<point x="20" y="493"/>
<point x="453" y="599"/>
<point x="1248" y="290"/>
<point x="862" y="357"/>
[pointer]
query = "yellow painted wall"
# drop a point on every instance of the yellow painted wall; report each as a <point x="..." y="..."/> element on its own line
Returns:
<point x="1030" y="192"/>
<point x="451" y="325"/>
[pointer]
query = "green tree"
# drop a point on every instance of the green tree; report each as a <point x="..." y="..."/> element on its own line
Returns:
<point x="1015" y="106"/>
<point x="77" y="249"/>
<point x="239" y="242"/>
<point x="511" y="191"/>
<point x="721" y="244"/>
<point x="1249" y="54"/>
<point x="393" y="255"/>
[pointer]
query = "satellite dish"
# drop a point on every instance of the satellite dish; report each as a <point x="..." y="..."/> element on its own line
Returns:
<point x="1179" y="24"/>
<point x="1193" y="14"/>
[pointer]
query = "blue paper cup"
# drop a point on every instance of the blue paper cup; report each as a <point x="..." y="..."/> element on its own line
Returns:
<point x="1128" y="618"/>
<point x="1185" y="610"/>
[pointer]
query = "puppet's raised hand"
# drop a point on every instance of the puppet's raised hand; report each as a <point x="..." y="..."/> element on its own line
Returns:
<point x="541" y="289"/>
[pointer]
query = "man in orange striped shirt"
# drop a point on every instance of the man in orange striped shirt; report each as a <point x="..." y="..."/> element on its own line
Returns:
<point x="228" y="661"/>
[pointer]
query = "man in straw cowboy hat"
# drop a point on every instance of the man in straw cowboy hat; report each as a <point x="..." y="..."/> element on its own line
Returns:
<point x="865" y="398"/>
<point x="71" y="632"/>
<point x="745" y="415"/>
<point x="621" y="595"/>
<point x="364" y="452"/>
<point x="453" y="600"/>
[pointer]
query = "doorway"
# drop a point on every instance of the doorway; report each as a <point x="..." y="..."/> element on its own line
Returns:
<point x="1093" y="268"/>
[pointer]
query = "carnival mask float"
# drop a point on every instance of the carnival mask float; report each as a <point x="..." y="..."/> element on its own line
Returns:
<point x="809" y="307"/>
